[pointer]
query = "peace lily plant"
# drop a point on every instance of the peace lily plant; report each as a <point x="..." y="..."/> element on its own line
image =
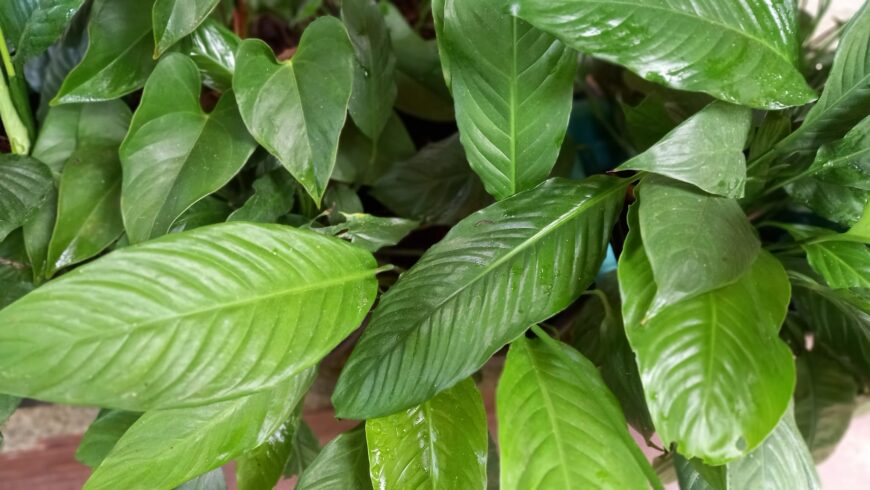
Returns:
<point x="192" y="227"/>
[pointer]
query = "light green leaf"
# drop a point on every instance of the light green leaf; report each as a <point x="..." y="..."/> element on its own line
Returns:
<point x="24" y="186"/>
<point x="175" y="154"/>
<point x="514" y="263"/>
<point x="559" y="425"/>
<point x="43" y="23"/>
<point x="296" y="109"/>
<point x="740" y="52"/>
<point x="273" y="198"/>
<point x="843" y="264"/>
<point x="175" y="19"/>
<point x="343" y="463"/>
<point x="371" y="232"/>
<point x="211" y="314"/>
<point x="103" y="434"/>
<point x="706" y="151"/>
<point x="512" y="87"/>
<point x="824" y="400"/>
<point x="262" y="467"/>
<point x="118" y="59"/>
<point x="861" y="229"/>
<point x="441" y="443"/>
<point x="374" y="79"/>
<point x="182" y="443"/>
<point x="695" y="242"/>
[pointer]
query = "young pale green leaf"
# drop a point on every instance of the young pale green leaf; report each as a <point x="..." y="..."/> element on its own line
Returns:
<point x="175" y="154"/>
<point x="706" y="151"/>
<point x="434" y="186"/>
<point x="514" y="263"/>
<point x="695" y="242"/>
<point x="752" y="61"/>
<point x="861" y="229"/>
<point x="273" y="197"/>
<point x="824" y="400"/>
<point x="374" y="79"/>
<point x="103" y="434"/>
<point x="559" y="425"/>
<point x="304" y="450"/>
<point x="512" y="87"/>
<point x="296" y="109"/>
<point x="118" y="60"/>
<point x="782" y="462"/>
<point x="343" y="463"/>
<point x="42" y="24"/>
<point x="24" y="186"/>
<point x="371" y="232"/>
<point x="182" y="443"/>
<point x="262" y="467"/>
<point x="211" y="314"/>
<point x="175" y="19"/>
<point x="441" y="443"/>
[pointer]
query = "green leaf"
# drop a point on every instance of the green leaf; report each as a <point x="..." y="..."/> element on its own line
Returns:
<point x="512" y="87"/>
<point x="362" y="161"/>
<point x="716" y="376"/>
<point x="213" y="480"/>
<point x="175" y="19"/>
<point x="695" y="242"/>
<point x="207" y="211"/>
<point x="695" y="475"/>
<point x="182" y="443"/>
<point x="24" y="185"/>
<point x="861" y="229"/>
<point x="304" y="449"/>
<point x="118" y="59"/>
<point x="374" y="79"/>
<point x="648" y="122"/>
<point x="343" y="463"/>
<point x="296" y="109"/>
<point x="210" y="314"/>
<point x="175" y="154"/>
<point x="8" y="404"/>
<point x="706" y="151"/>
<point x="840" y="204"/>
<point x="846" y="161"/>
<point x="15" y="276"/>
<point x="559" y="425"/>
<point x="273" y="197"/>
<point x="824" y="400"/>
<point x="371" y="232"/>
<point x="843" y="264"/>
<point x="263" y="466"/>
<point x="434" y="186"/>
<point x="514" y="263"/>
<point x="740" y="52"/>
<point x="102" y="435"/>
<point x="441" y="443"/>
<point x="42" y="25"/>
<point x="213" y="48"/>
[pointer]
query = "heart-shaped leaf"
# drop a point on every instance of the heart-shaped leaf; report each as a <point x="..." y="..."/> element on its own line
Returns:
<point x="175" y="154"/>
<point x="514" y="263"/>
<point x="441" y="443"/>
<point x="210" y="314"/>
<point x="24" y="185"/>
<point x="824" y="400"/>
<point x="296" y="109"/>
<point x="343" y="463"/>
<point x="174" y="19"/>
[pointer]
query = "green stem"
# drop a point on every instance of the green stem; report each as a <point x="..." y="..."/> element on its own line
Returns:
<point x="18" y="124"/>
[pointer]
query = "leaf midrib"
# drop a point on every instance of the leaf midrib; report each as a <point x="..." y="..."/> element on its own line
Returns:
<point x="551" y="415"/>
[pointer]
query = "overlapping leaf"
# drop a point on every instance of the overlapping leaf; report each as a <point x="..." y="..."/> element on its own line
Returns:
<point x="213" y="49"/>
<point x="174" y="19"/>
<point x="24" y="185"/>
<point x="103" y="434"/>
<point x="35" y="25"/>
<point x="371" y="232"/>
<point x="343" y="463"/>
<point x="824" y="402"/>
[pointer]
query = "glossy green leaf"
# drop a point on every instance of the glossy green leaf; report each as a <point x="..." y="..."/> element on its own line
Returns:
<point x="512" y="87"/>
<point x="824" y="400"/>
<point x="740" y="52"/>
<point x="559" y="425"/>
<point x="695" y="475"/>
<point x="304" y="449"/>
<point x="861" y="229"/>
<point x="24" y="185"/>
<point x="182" y="443"/>
<point x="118" y="59"/>
<point x="706" y="151"/>
<point x="374" y="79"/>
<point x="296" y="109"/>
<point x="175" y="154"/>
<point x="647" y="122"/>
<point x="103" y="434"/>
<point x="210" y="314"/>
<point x="371" y="232"/>
<point x="837" y="203"/>
<point x="846" y="161"/>
<point x="175" y="19"/>
<point x="695" y="242"/>
<point x="43" y="22"/>
<point x="213" y="49"/>
<point x="843" y="264"/>
<point x="440" y="444"/>
<point x="273" y="197"/>
<point x="434" y="186"/>
<point x="208" y="211"/>
<point x="514" y="263"/>
<point x="343" y="463"/>
<point x="263" y="466"/>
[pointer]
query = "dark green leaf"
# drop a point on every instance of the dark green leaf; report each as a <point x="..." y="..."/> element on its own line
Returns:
<point x="514" y="263"/>
<point x="213" y="49"/>
<point x="207" y="211"/>
<point x="8" y="404"/>
<point x="361" y="161"/>
<point x="441" y="443"/>
<point x="305" y="448"/>
<point x="102" y="436"/>
<point x="695" y="475"/>
<point x="273" y="197"/>
<point x="847" y="161"/>
<point x="648" y="122"/>
<point x="24" y="185"/>
<point x="843" y="264"/>
<point x="210" y="314"/>
<point x="296" y="109"/>
<point x="343" y="463"/>
<point x="45" y="21"/>
<point x="841" y="204"/>
<point x="175" y="19"/>
<point x="824" y="400"/>
<point x="371" y="232"/>
<point x="263" y="466"/>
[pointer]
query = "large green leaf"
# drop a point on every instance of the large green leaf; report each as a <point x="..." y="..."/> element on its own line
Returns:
<point x="343" y="463"/>
<point x="824" y="402"/>
<point x="182" y="443"/>
<point x="175" y="154"/>
<point x="559" y="425"/>
<point x="118" y="59"/>
<point x="441" y="443"/>
<point x="512" y="87"/>
<point x="213" y="49"/>
<point x="24" y="185"/>
<point x="514" y="263"/>
<point x="262" y="467"/>
<point x="741" y="52"/>
<point x="374" y="79"/>
<point x="214" y="313"/>
<point x="103" y="434"/>
<point x="36" y="24"/>
<point x="706" y="150"/>
<point x="695" y="242"/>
<point x="296" y="109"/>
<point x="175" y="19"/>
<point x="843" y="264"/>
